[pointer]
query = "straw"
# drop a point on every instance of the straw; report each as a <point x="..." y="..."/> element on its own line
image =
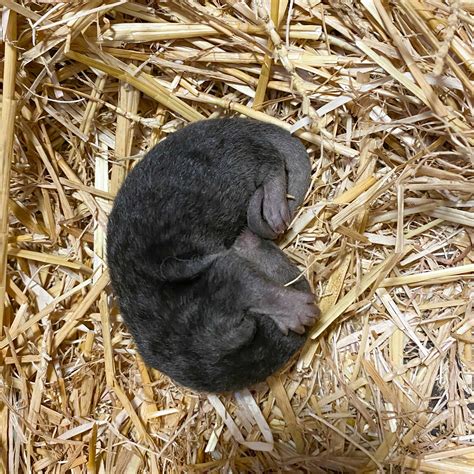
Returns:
<point x="380" y="93"/>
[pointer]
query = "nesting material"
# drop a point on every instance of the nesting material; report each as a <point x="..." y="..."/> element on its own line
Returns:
<point x="381" y="93"/>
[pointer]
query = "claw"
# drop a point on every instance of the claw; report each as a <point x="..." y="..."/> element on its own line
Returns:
<point x="299" y="329"/>
<point x="308" y="321"/>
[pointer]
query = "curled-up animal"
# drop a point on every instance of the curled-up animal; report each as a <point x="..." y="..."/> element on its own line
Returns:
<point x="200" y="283"/>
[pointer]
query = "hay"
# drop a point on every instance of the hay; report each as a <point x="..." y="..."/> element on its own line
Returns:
<point x="382" y="96"/>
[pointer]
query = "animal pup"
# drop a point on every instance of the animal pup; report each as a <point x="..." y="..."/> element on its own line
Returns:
<point x="200" y="284"/>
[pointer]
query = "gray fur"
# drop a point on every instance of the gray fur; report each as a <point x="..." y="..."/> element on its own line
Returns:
<point x="199" y="283"/>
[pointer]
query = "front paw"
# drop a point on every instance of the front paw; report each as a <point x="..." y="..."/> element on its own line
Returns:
<point x="301" y="311"/>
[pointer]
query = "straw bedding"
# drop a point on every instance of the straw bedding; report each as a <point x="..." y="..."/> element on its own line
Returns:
<point x="381" y="94"/>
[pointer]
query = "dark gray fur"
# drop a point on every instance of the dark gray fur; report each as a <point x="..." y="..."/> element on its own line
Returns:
<point x="199" y="284"/>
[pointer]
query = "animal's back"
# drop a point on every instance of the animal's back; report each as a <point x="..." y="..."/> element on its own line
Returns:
<point x="189" y="195"/>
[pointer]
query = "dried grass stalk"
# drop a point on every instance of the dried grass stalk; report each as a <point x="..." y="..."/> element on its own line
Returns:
<point x="380" y="93"/>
